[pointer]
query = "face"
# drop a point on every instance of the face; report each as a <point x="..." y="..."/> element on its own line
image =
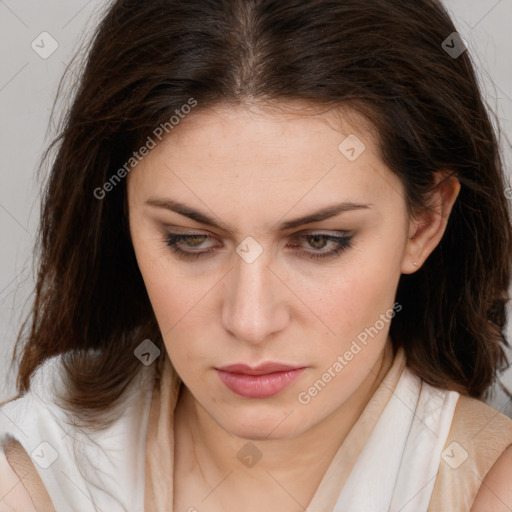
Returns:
<point x="239" y="283"/>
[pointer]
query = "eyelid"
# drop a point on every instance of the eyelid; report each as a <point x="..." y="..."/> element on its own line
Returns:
<point x="175" y="230"/>
<point x="294" y="236"/>
<point x="340" y="239"/>
<point x="322" y="232"/>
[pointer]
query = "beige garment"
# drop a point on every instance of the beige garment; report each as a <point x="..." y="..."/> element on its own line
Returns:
<point x="481" y="431"/>
<point x="483" y="434"/>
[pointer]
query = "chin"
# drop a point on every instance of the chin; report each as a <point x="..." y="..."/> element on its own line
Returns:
<point x="259" y="434"/>
<point x="254" y="427"/>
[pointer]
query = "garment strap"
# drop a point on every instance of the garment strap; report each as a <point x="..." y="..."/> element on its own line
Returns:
<point x="159" y="481"/>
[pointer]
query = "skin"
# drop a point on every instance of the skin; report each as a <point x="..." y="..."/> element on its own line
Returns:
<point x="282" y="307"/>
<point x="251" y="169"/>
<point x="495" y="493"/>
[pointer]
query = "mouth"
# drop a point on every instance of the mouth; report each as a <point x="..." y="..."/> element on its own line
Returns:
<point x="263" y="381"/>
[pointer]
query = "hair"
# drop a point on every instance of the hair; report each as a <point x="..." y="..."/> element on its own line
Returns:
<point x="382" y="59"/>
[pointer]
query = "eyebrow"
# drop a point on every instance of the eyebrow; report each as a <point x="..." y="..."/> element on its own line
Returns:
<point x="316" y="216"/>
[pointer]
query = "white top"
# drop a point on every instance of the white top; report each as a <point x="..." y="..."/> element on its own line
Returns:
<point x="82" y="470"/>
<point x="105" y="471"/>
<point x="397" y="468"/>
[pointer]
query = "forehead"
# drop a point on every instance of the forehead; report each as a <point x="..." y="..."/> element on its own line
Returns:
<point x="279" y="127"/>
<point x="272" y="156"/>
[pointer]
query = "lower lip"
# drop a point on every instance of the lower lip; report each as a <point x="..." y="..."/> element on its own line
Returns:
<point x="259" y="386"/>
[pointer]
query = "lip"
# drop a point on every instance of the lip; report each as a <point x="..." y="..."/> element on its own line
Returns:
<point x="262" y="381"/>
<point x="261" y="369"/>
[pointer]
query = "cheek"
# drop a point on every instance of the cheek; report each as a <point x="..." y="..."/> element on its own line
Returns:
<point x="175" y="301"/>
<point x="181" y="320"/>
<point x="181" y="309"/>
<point x="171" y="296"/>
<point x="353" y="296"/>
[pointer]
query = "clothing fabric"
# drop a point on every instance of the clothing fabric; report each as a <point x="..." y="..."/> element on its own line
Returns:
<point x="398" y="456"/>
<point x="81" y="470"/>
<point x="388" y="462"/>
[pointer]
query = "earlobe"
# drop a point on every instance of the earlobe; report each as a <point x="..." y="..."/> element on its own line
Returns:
<point x="427" y="230"/>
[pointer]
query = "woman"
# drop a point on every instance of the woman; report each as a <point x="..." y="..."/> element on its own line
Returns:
<point x="275" y="254"/>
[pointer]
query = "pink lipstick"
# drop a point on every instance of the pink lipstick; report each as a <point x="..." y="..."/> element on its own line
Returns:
<point x="262" y="381"/>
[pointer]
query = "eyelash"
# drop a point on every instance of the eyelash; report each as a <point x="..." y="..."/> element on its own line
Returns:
<point x="342" y="242"/>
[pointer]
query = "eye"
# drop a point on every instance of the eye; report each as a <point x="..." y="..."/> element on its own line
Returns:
<point x="318" y="241"/>
<point x="173" y="240"/>
<point x="182" y="244"/>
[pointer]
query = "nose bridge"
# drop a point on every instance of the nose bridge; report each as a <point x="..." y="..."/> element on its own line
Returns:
<point x="251" y="310"/>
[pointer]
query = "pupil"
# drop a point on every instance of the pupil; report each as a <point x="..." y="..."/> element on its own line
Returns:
<point x="316" y="239"/>
<point x="198" y="240"/>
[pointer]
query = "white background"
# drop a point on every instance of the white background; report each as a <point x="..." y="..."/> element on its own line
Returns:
<point x="28" y="84"/>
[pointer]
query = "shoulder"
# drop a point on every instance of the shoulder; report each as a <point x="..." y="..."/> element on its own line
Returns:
<point x="482" y="432"/>
<point x="36" y="407"/>
<point x="46" y="381"/>
<point x="38" y="416"/>
<point x="13" y="495"/>
<point x="486" y="437"/>
<point x="49" y="385"/>
<point x="491" y="446"/>
<point x="475" y="449"/>
<point x="495" y="493"/>
<point x="20" y="414"/>
<point x="482" y="428"/>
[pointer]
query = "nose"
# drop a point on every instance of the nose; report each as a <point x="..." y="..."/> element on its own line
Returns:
<point x="254" y="304"/>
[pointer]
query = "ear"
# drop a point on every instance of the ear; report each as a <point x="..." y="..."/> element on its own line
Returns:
<point x="427" y="230"/>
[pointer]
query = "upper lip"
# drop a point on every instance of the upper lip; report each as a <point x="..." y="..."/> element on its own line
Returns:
<point x="261" y="369"/>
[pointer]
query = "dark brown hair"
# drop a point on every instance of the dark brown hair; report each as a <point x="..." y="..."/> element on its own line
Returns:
<point x="383" y="59"/>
